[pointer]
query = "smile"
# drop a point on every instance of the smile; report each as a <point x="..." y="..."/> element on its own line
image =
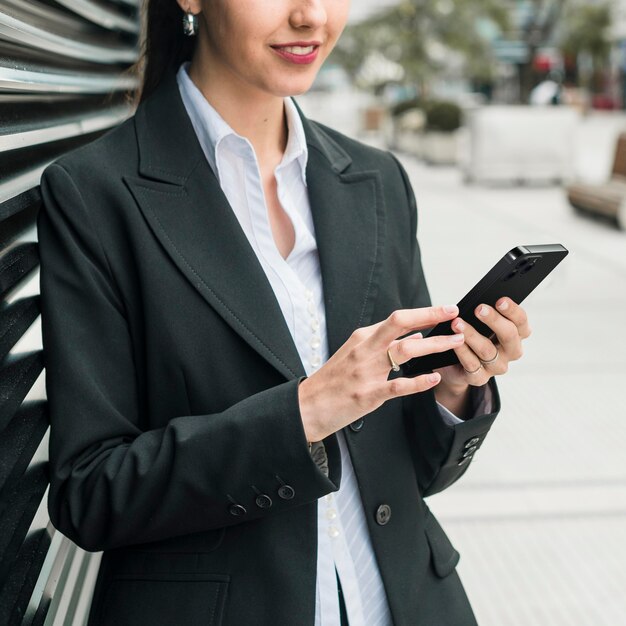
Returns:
<point x="297" y="52"/>
<point x="298" y="49"/>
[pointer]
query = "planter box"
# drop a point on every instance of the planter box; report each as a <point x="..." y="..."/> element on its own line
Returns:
<point x="520" y="143"/>
<point x="407" y="132"/>
<point x="440" y="148"/>
<point x="411" y="142"/>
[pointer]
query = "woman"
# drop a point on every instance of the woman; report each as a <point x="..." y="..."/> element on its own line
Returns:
<point x="224" y="284"/>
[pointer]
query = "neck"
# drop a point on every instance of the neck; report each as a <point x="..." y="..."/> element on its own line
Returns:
<point x="255" y="115"/>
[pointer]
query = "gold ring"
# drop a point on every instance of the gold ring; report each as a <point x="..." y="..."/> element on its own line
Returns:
<point x="394" y="366"/>
<point x="491" y="361"/>
<point x="475" y="371"/>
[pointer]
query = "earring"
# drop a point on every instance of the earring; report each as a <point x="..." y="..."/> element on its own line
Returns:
<point x="190" y="24"/>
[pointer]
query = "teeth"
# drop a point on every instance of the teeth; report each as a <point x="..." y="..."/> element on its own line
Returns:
<point x="299" y="49"/>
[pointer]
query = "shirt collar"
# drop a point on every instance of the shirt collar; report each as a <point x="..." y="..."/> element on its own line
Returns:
<point x="211" y="128"/>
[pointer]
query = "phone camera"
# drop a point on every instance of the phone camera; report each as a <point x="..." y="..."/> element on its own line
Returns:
<point x="526" y="265"/>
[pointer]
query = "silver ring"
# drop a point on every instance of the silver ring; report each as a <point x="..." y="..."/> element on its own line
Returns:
<point x="491" y="361"/>
<point x="475" y="371"/>
<point x="394" y="366"/>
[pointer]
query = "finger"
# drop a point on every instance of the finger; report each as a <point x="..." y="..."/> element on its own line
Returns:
<point x="403" y="321"/>
<point x="480" y="348"/>
<point x="403" y="350"/>
<point x="506" y="332"/>
<point x="475" y="373"/>
<point x="399" y="387"/>
<point x="516" y="314"/>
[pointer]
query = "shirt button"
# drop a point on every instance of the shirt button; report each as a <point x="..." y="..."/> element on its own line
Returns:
<point x="309" y="294"/>
<point x="311" y="308"/>
<point x="331" y="514"/>
<point x="315" y="343"/>
<point x="333" y="532"/>
<point x="315" y="324"/>
<point x="315" y="361"/>
<point x="329" y="497"/>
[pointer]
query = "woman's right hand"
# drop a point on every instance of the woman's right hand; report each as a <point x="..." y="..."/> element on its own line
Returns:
<point x="353" y="382"/>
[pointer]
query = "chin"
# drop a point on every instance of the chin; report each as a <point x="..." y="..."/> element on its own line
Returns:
<point x="297" y="92"/>
<point x="295" y="88"/>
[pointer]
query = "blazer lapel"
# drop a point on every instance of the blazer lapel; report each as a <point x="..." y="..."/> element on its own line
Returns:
<point x="349" y="217"/>
<point x="187" y="211"/>
<point x="182" y="201"/>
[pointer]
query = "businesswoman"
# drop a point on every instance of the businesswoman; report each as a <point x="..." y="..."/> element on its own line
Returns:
<point x="226" y="287"/>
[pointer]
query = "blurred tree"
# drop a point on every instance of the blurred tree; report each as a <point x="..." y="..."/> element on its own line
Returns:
<point x="587" y="32"/>
<point x="420" y="34"/>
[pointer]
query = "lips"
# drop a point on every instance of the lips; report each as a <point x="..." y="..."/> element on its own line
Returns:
<point x="299" y="52"/>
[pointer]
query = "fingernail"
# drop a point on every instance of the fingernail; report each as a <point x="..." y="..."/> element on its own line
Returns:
<point x="459" y="325"/>
<point x="483" y="311"/>
<point x="450" y="308"/>
<point x="433" y="378"/>
<point x="458" y="338"/>
<point x="504" y="305"/>
<point x="418" y="336"/>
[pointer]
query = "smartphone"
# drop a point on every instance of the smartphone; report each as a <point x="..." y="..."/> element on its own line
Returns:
<point x="515" y="275"/>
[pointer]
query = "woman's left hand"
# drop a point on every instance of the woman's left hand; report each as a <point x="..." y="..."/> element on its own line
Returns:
<point x="481" y="358"/>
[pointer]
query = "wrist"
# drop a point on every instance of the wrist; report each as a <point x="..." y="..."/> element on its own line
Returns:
<point x="452" y="390"/>
<point x="308" y="415"/>
<point x="454" y="397"/>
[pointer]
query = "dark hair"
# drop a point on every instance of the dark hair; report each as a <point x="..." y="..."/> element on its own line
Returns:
<point x="164" y="47"/>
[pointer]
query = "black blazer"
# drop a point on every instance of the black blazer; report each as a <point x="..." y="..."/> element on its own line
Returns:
<point x="172" y="384"/>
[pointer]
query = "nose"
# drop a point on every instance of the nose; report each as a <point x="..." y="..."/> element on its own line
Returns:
<point x="308" y="14"/>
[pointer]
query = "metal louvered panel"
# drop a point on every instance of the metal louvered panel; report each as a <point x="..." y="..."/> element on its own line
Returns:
<point x="43" y="27"/>
<point x="65" y="73"/>
<point x="65" y="118"/>
<point x="102" y="14"/>
<point x="25" y="69"/>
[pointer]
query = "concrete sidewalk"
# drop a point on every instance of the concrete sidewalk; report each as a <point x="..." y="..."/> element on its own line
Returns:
<point x="540" y="517"/>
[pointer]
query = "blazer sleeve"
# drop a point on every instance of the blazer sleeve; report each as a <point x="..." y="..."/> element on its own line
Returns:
<point x="112" y="484"/>
<point x="440" y="450"/>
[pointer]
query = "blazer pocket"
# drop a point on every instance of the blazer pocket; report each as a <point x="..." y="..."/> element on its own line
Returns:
<point x="443" y="554"/>
<point x="164" y="600"/>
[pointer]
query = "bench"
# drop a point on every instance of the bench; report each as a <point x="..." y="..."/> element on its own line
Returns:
<point x="609" y="198"/>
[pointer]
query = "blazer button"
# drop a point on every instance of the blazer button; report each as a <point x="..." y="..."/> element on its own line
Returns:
<point x="383" y="514"/>
<point x="237" y="510"/>
<point x="471" y="442"/>
<point x="464" y="460"/>
<point x="286" y="492"/>
<point x="357" y="425"/>
<point x="263" y="501"/>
